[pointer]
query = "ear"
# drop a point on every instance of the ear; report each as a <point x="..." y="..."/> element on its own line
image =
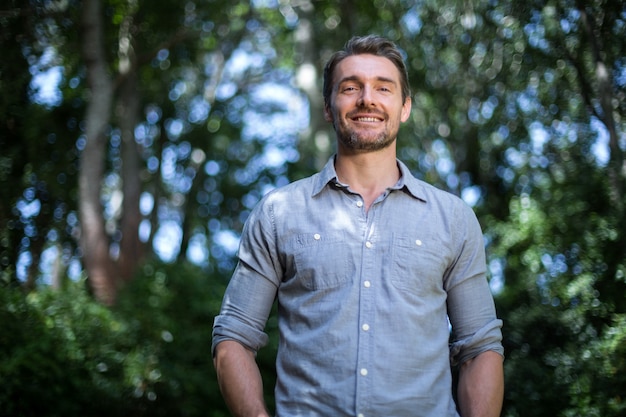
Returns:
<point x="328" y="114"/>
<point x="406" y="110"/>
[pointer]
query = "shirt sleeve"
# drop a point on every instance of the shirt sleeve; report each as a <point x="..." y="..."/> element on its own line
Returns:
<point x="252" y="289"/>
<point x="471" y="309"/>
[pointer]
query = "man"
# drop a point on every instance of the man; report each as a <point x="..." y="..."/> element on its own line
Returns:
<point x="367" y="265"/>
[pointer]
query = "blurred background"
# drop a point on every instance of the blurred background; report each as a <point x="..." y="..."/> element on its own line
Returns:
<point x="136" y="135"/>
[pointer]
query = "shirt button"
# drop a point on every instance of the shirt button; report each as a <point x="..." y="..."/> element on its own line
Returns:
<point x="367" y="284"/>
<point x="317" y="236"/>
<point x="360" y="415"/>
<point x="365" y="327"/>
<point x="359" y="204"/>
<point x="418" y="242"/>
<point x="368" y="244"/>
<point x="363" y="371"/>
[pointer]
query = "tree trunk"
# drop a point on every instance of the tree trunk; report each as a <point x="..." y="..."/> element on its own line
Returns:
<point x="94" y="241"/>
<point x="132" y="250"/>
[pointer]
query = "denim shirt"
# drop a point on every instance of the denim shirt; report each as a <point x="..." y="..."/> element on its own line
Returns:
<point x="373" y="307"/>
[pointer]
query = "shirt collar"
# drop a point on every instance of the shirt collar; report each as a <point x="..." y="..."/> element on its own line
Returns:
<point x="407" y="181"/>
<point x="414" y="186"/>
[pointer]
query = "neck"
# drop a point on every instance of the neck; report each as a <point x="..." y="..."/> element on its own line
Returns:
<point x="368" y="174"/>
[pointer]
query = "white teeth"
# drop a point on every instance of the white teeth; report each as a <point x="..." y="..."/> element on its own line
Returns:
<point x="367" y="119"/>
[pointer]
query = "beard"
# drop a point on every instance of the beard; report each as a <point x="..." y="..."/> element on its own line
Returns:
<point x="363" y="141"/>
<point x="358" y="142"/>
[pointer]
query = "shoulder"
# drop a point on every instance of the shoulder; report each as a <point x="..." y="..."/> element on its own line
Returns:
<point x="289" y="198"/>
<point x="300" y="188"/>
<point x="442" y="204"/>
<point x="443" y="197"/>
<point x="425" y="191"/>
<point x="433" y="195"/>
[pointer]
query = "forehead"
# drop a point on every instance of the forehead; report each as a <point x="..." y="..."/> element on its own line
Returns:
<point x="366" y="67"/>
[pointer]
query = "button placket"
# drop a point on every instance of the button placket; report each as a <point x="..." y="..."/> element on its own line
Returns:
<point x="366" y="317"/>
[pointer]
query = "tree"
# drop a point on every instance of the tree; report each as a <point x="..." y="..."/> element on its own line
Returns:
<point x="561" y="246"/>
<point x="94" y="240"/>
<point x="14" y="82"/>
<point x="189" y="48"/>
<point x="183" y="50"/>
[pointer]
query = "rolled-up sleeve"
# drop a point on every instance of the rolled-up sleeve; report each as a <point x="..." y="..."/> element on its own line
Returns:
<point x="487" y="338"/>
<point x="252" y="289"/>
<point x="245" y="309"/>
<point x="471" y="309"/>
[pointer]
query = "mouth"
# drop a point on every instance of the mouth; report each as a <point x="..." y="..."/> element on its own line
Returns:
<point x="366" y="118"/>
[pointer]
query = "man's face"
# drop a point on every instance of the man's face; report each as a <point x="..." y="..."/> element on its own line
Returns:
<point x="366" y="106"/>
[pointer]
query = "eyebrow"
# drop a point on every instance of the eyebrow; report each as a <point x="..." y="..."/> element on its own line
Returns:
<point x="356" y="78"/>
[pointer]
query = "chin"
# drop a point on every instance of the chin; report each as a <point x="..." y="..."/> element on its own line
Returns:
<point x="357" y="143"/>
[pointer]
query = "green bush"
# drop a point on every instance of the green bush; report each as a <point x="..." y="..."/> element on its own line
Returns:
<point x="171" y="309"/>
<point x="63" y="354"/>
<point x="60" y="354"/>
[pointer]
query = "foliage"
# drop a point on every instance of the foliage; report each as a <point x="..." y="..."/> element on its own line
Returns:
<point x="65" y="354"/>
<point x="171" y="308"/>
<point x="59" y="353"/>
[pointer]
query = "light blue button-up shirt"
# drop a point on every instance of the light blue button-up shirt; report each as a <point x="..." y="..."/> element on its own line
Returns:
<point x="366" y="300"/>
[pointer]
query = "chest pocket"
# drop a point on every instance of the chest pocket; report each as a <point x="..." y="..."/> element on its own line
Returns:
<point x="418" y="265"/>
<point x="320" y="261"/>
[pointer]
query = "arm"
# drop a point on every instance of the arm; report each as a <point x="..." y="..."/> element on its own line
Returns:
<point x="239" y="379"/>
<point x="477" y="337"/>
<point x="481" y="386"/>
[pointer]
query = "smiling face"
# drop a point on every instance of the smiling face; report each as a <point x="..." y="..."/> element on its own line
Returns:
<point x="366" y="106"/>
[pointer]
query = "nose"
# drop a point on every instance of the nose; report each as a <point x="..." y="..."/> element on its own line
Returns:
<point x="367" y="98"/>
